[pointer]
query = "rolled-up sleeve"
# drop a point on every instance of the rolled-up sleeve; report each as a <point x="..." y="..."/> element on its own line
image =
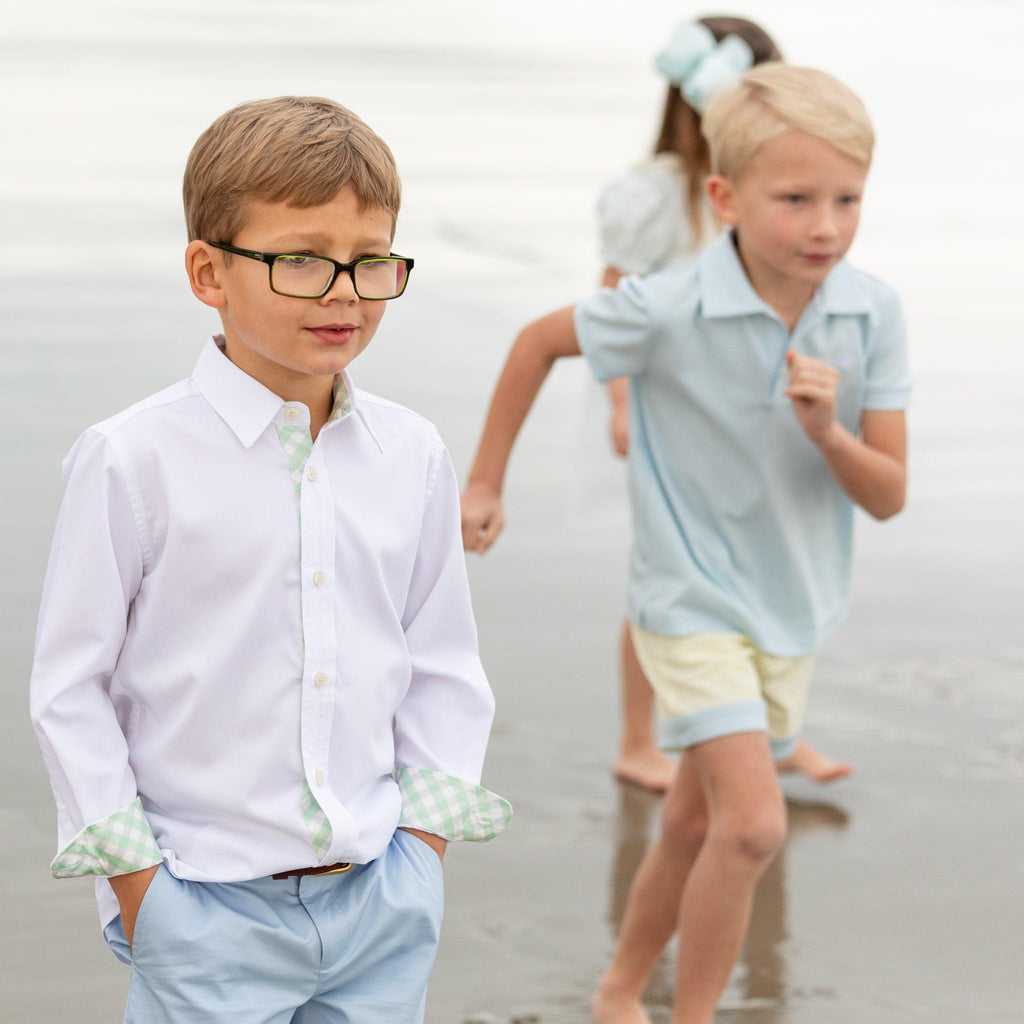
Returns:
<point x="95" y="569"/>
<point x="615" y="330"/>
<point x="442" y="726"/>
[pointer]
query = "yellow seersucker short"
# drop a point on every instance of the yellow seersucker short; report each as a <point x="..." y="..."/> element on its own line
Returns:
<point x="695" y="676"/>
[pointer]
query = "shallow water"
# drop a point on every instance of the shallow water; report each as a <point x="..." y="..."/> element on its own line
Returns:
<point x="898" y="897"/>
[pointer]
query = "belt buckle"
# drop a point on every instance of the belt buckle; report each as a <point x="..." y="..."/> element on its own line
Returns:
<point x="339" y="870"/>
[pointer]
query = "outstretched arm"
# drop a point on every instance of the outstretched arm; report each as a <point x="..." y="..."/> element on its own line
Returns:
<point x="533" y="354"/>
<point x="871" y="469"/>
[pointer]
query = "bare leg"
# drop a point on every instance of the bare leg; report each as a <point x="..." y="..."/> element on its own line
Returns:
<point x="639" y="762"/>
<point x="810" y="761"/>
<point x="746" y="826"/>
<point x="653" y="905"/>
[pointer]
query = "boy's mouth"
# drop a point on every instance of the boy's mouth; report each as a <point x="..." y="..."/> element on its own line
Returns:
<point x="334" y="334"/>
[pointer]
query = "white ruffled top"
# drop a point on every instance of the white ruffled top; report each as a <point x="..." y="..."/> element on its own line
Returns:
<point x="643" y="220"/>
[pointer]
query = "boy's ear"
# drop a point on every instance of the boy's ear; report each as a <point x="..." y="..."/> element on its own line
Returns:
<point x="203" y="266"/>
<point x="722" y="193"/>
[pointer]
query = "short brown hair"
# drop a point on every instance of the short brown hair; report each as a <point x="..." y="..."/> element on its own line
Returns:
<point x="301" y="150"/>
<point x="775" y="98"/>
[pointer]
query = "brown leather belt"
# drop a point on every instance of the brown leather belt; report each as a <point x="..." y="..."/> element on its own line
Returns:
<point x="331" y="869"/>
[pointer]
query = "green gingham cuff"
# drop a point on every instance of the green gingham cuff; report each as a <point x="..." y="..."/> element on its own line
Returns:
<point x="117" y="845"/>
<point x="450" y="807"/>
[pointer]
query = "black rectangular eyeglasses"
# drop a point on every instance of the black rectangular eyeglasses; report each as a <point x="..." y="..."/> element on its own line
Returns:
<point x="303" y="276"/>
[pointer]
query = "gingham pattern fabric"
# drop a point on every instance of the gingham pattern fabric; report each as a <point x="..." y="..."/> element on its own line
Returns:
<point x="117" y="845"/>
<point x="297" y="443"/>
<point x="450" y="807"/>
<point x="342" y="400"/>
<point x="316" y="821"/>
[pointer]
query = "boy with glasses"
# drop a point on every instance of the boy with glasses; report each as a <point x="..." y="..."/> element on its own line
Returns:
<point x="256" y="681"/>
<point x="768" y="382"/>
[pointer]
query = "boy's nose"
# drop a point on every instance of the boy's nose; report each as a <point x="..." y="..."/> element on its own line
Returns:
<point x="343" y="289"/>
<point x="825" y="224"/>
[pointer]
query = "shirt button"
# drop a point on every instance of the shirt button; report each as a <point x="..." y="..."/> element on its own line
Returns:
<point x="320" y="679"/>
<point x="319" y="578"/>
<point x="291" y="414"/>
<point x="321" y="778"/>
<point x="312" y="475"/>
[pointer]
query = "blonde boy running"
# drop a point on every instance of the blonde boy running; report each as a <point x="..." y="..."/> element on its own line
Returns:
<point x="768" y="381"/>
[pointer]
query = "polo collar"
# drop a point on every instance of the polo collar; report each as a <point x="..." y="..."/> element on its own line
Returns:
<point x="247" y="406"/>
<point x="842" y="292"/>
<point x="726" y="291"/>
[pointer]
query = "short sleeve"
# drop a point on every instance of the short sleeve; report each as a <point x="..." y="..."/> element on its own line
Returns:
<point x="639" y="218"/>
<point x="887" y="380"/>
<point x="616" y="330"/>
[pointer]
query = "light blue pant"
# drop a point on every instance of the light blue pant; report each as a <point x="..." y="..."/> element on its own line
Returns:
<point x="355" y="948"/>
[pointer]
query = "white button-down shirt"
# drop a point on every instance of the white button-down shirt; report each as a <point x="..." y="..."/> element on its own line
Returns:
<point x="238" y="646"/>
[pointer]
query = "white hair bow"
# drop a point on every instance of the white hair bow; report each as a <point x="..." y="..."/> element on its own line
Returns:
<point x="699" y="65"/>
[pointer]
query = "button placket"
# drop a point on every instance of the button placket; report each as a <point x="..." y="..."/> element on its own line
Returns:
<point x="317" y="527"/>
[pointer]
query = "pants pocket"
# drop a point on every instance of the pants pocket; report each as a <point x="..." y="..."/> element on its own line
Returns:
<point x="424" y="873"/>
<point x="416" y="849"/>
<point x="147" y="908"/>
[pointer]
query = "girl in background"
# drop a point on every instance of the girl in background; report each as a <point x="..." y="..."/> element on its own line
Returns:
<point x="650" y="218"/>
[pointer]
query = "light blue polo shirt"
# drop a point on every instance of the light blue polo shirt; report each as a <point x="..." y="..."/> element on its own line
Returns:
<point x="738" y="524"/>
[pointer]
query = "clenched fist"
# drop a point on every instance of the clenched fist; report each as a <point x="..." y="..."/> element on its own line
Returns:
<point x="482" y="517"/>
<point x="812" y="390"/>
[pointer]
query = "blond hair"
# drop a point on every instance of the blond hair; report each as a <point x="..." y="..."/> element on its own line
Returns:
<point x="776" y="98"/>
<point x="300" y="150"/>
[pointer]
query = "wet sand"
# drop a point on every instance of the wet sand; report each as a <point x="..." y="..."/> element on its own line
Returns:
<point x="898" y="896"/>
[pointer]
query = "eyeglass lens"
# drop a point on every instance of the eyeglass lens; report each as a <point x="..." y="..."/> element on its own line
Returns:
<point x="309" y="276"/>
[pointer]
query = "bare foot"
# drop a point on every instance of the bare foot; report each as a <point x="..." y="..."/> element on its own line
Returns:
<point x="611" y="1009"/>
<point x="649" y="770"/>
<point x="810" y="761"/>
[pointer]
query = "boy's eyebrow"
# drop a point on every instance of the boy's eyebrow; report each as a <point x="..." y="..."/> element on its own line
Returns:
<point x="315" y="239"/>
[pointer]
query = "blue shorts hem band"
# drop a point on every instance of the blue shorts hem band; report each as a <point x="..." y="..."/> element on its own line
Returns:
<point x="782" y="746"/>
<point x="711" y="723"/>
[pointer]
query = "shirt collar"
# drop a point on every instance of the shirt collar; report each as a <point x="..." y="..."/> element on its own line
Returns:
<point x="843" y="292"/>
<point x="248" y="407"/>
<point x="726" y="291"/>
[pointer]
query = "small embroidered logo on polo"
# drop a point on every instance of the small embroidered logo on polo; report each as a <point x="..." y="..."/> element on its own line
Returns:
<point x="844" y="360"/>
